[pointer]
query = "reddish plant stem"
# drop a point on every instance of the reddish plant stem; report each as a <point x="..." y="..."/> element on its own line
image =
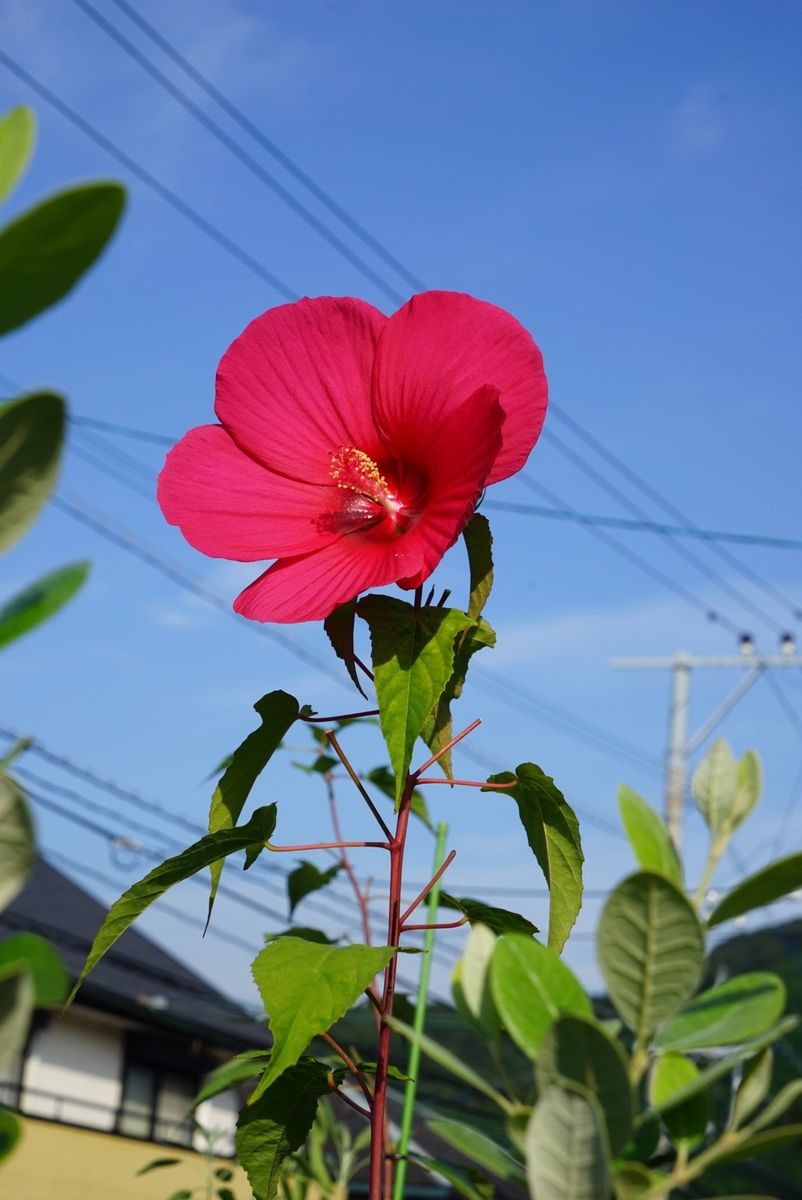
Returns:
<point x="357" y="782"/>
<point x="351" y="1065"/>
<point x="370" y="712"/>
<point x="445" y="925"/>
<point x="327" y="846"/>
<point x="491" y="787"/>
<point x="448" y="746"/>
<point x="351" y="1103"/>
<point x="364" y="668"/>
<point x="452" y="854"/>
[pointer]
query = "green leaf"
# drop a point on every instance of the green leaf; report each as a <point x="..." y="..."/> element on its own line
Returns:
<point x="566" y="1155"/>
<point x="17" y="136"/>
<point x="754" y="1086"/>
<point x="384" y="779"/>
<point x="33" y="954"/>
<point x="46" y="250"/>
<point x="437" y="729"/>
<point x="734" y="1012"/>
<point x="470" y="981"/>
<point x="16" y="1008"/>
<point x="479" y="1147"/>
<point x="413" y="654"/>
<point x="463" y="1179"/>
<point x="323" y="765"/>
<point x="230" y="1074"/>
<point x="203" y="853"/>
<point x="225" y="1193"/>
<point x="277" y="711"/>
<point x="749" y="783"/>
<point x="650" y="949"/>
<point x="308" y="878"/>
<point x="41" y="600"/>
<point x="305" y="988"/>
<point x="17" y="845"/>
<point x="685" y="1122"/>
<point x="769" y="1141"/>
<point x="500" y="920"/>
<point x="714" y="786"/>
<point x="369" y="1068"/>
<point x="552" y="831"/>
<point x="31" y="436"/>
<point x="479" y="544"/>
<point x="277" y="1124"/>
<point x="305" y="932"/>
<point x="181" y="1194"/>
<point x="224" y="1174"/>
<point x="764" y="887"/>
<point x="577" y="1053"/>
<point x="339" y="628"/>
<point x="449" y="1062"/>
<point x="632" y="1180"/>
<point x="10" y="1132"/>
<point x="778" y="1105"/>
<point x="531" y="988"/>
<point x="648" y="836"/>
<point x="156" y="1164"/>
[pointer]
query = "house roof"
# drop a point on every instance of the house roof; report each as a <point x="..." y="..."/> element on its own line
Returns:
<point x="136" y="978"/>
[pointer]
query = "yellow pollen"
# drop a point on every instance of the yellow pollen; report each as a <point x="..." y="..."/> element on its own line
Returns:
<point x="356" y="471"/>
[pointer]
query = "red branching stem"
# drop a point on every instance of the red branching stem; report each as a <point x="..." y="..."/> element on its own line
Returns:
<point x="448" y="860"/>
<point x="351" y="1103"/>
<point x="357" y="782"/>
<point x="448" y="746"/>
<point x="445" y="925"/>
<point x="327" y="846"/>
<point x="346" y="863"/>
<point x="370" y="712"/>
<point x="480" y="783"/>
<point x="351" y="1065"/>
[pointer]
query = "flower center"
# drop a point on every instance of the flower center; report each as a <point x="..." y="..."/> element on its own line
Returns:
<point x="356" y="471"/>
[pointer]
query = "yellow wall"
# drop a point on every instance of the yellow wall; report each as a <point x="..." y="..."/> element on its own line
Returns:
<point x="59" y="1162"/>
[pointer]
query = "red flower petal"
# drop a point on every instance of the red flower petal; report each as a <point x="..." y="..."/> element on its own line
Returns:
<point x="296" y="385"/>
<point x="439" y="349"/>
<point x="228" y="506"/>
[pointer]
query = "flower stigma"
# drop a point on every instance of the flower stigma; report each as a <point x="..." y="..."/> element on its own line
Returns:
<point x="355" y="471"/>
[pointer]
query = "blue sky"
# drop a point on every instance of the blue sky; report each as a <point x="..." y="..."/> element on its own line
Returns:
<point x="626" y="179"/>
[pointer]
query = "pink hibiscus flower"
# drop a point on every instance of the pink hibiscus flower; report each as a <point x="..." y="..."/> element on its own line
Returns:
<point x="353" y="447"/>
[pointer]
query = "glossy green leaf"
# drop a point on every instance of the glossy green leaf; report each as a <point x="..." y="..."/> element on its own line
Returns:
<point x="685" y="1122"/>
<point x="754" y="1086"/>
<point x="16" y="1009"/>
<point x="17" y="845"/>
<point x="764" y="887"/>
<point x="648" y="836"/>
<point x="749" y="783"/>
<point x="566" y="1154"/>
<point x="714" y="786"/>
<point x="339" y="627"/>
<point x="651" y="950"/>
<point x="157" y="1164"/>
<point x="203" y="853"/>
<point x="10" y="1133"/>
<point x="277" y="711"/>
<point x="40" y="601"/>
<point x="552" y="831"/>
<point x="34" y="954"/>
<point x="470" y="981"/>
<point x="305" y="988"/>
<point x="413" y="655"/>
<point x="17" y="137"/>
<point x="576" y="1052"/>
<point x="768" y="1141"/>
<point x="277" y="1124"/>
<point x="438" y="728"/>
<point x="531" y="988"/>
<point x="306" y="879"/>
<point x="384" y="780"/>
<point x="477" y="1146"/>
<point x="31" y="436"/>
<point x="232" y="1073"/>
<point x="500" y="920"/>
<point x="479" y="544"/>
<point x="731" y="1013"/>
<point x="451" y="1063"/>
<point x="46" y="250"/>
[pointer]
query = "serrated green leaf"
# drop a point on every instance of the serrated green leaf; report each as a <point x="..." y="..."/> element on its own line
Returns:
<point x="413" y="656"/>
<point x="500" y="920"/>
<point x="437" y="728"/>
<point x="46" y="250"/>
<point x="566" y="1155"/>
<point x="16" y="1008"/>
<point x="230" y="1074"/>
<point x="278" y="1123"/>
<point x="769" y="1141"/>
<point x="17" y="843"/>
<point x="479" y="544"/>
<point x="650" y="949"/>
<point x="576" y="1052"/>
<point x="648" y="836"/>
<point x="727" y="1015"/>
<point x="31" y="436"/>
<point x="40" y="600"/>
<point x="477" y="1146"/>
<point x="197" y="856"/>
<point x="299" y="1012"/>
<point x="10" y="1133"/>
<point x="17" y="137"/>
<point x="714" y="786"/>
<point x="552" y="831"/>
<point x="685" y="1122"/>
<point x="754" y="1086"/>
<point x="31" y="953"/>
<point x="531" y="988"/>
<point x="764" y="887"/>
<point x="157" y="1164"/>
<point x="277" y="711"/>
<point x="306" y="879"/>
<point x="339" y="629"/>
<point x="470" y="981"/>
<point x="451" y="1063"/>
<point x="384" y="779"/>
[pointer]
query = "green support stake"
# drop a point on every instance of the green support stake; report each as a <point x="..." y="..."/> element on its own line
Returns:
<point x="413" y="1066"/>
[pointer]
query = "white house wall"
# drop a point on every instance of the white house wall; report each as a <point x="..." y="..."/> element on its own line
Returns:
<point x="73" y="1071"/>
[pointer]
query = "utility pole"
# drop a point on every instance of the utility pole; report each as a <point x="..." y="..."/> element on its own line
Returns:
<point x="679" y="747"/>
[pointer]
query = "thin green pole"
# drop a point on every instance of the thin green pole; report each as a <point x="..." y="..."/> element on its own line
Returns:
<point x="413" y="1065"/>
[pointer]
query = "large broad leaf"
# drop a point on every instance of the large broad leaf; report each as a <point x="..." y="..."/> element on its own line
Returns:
<point x="31" y="953"/>
<point x="764" y="887"/>
<point x="686" y="1122"/>
<point x="16" y="1007"/>
<point x="278" y="1123"/>
<point x="278" y="711"/>
<point x="470" y="981"/>
<point x="575" y="1052"/>
<point x="500" y="920"/>
<point x="714" y="786"/>
<point x="734" y="1012"/>
<point x="531" y="987"/>
<point x="41" y="600"/>
<point x="305" y="988"/>
<point x="308" y="878"/>
<point x="17" y="136"/>
<point x="449" y="1062"/>
<point x="479" y="1147"/>
<point x="203" y="853"/>
<point x="232" y="1073"/>
<point x="566" y="1154"/>
<point x="650" y="949"/>
<point x="754" y="1086"/>
<point x="31" y="434"/>
<point x="339" y="627"/>
<point x="648" y="836"/>
<point x="17" y="845"/>
<point x="438" y="729"/>
<point x="44" y="252"/>
<point x="413" y="655"/>
<point x="552" y="831"/>
<point x="10" y="1132"/>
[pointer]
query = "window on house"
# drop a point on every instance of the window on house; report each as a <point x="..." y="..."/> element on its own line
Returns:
<point x="155" y="1104"/>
